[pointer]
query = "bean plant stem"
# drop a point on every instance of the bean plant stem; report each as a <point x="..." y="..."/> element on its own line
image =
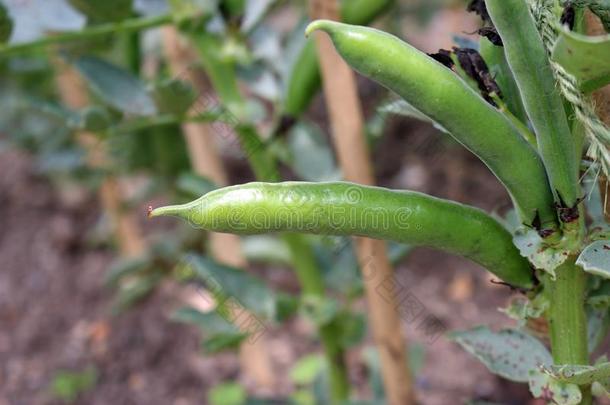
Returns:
<point x="567" y="318"/>
<point x="224" y="79"/>
<point x="312" y="284"/>
<point x="135" y="24"/>
<point x="206" y="161"/>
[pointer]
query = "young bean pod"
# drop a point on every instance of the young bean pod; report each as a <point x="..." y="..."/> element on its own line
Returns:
<point x="494" y="56"/>
<point x="341" y="208"/>
<point x="531" y="68"/>
<point x="440" y="94"/>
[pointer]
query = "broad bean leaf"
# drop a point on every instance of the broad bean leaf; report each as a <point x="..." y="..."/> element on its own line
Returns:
<point x="266" y="249"/>
<point x="543" y="257"/>
<point x="93" y="119"/>
<point x="401" y="107"/>
<point x="219" y="333"/>
<point x="557" y="392"/>
<point x="126" y="267"/>
<point x="595" y="259"/>
<point x="174" y="96"/>
<point x="116" y="86"/>
<point x="522" y="309"/>
<point x="312" y="157"/>
<point x="598" y="322"/>
<point x="183" y="10"/>
<point x="104" y="11"/>
<point x="320" y="310"/>
<point x="509" y="353"/>
<point x="585" y="57"/>
<point x="241" y="288"/>
<point x="136" y="290"/>
<point x="194" y="186"/>
<point x="306" y="369"/>
<point x="579" y="374"/>
<point x="254" y="11"/>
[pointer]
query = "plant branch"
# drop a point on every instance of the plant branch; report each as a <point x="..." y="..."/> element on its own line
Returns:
<point x="135" y="24"/>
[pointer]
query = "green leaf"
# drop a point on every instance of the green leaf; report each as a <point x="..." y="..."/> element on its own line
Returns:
<point x="103" y="11"/>
<point x="193" y="185"/>
<point x="174" y="96"/>
<point x="311" y="154"/>
<point x="522" y="309"/>
<point x="68" y="385"/>
<point x="584" y="57"/>
<point x="135" y="290"/>
<point x="6" y="24"/>
<point x="320" y="310"/>
<point x="227" y="394"/>
<point x="595" y="259"/>
<point x="254" y="11"/>
<point x="116" y="86"/>
<point x="579" y="374"/>
<point x="235" y="285"/>
<point x="307" y="368"/>
<point x="556" y="392"/>
<point x="287" y="306"/>
<point x="598" y="323"/>
<point x="93" y="119"/>
<point x="543" y="257"/>
<point x="401" y="107"/>
<point x="266" y="249"/>
<point x="126" y="267"/>
<point x="509" y="353"/>
<point x="185" y="10"/>
<point x="351" y="328"/>
<point x="209" y="322"/>
<point x="219" y="333"/>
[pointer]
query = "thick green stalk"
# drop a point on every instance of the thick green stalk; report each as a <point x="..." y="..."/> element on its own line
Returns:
<point x="441" y="95"/>
<point x="529" y="62"/>
<point x="341" y="208"/>
<point x="567" y="318"/>
<point x="135" y="24"/>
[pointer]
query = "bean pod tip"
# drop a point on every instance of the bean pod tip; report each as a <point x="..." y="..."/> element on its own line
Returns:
<point x="170" y="210"/>
<point x="323" y="25"/>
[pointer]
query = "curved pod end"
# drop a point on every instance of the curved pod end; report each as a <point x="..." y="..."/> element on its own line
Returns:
<point x="322" y="25"/>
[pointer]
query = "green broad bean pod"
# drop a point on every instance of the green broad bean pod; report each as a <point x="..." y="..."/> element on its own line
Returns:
<point x="494" y="57"/>
<point x="341" y="208"/>
<point x="305" y="80"/>
<point x="531" y="68"/>
<point x="441" y="95"/>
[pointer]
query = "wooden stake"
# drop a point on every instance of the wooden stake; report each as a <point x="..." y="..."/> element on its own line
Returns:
<point x="74" y="94"/>
<point x="348" y="133"/>
<point x="602" y="105"/>
<point x="226" y="248"/>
